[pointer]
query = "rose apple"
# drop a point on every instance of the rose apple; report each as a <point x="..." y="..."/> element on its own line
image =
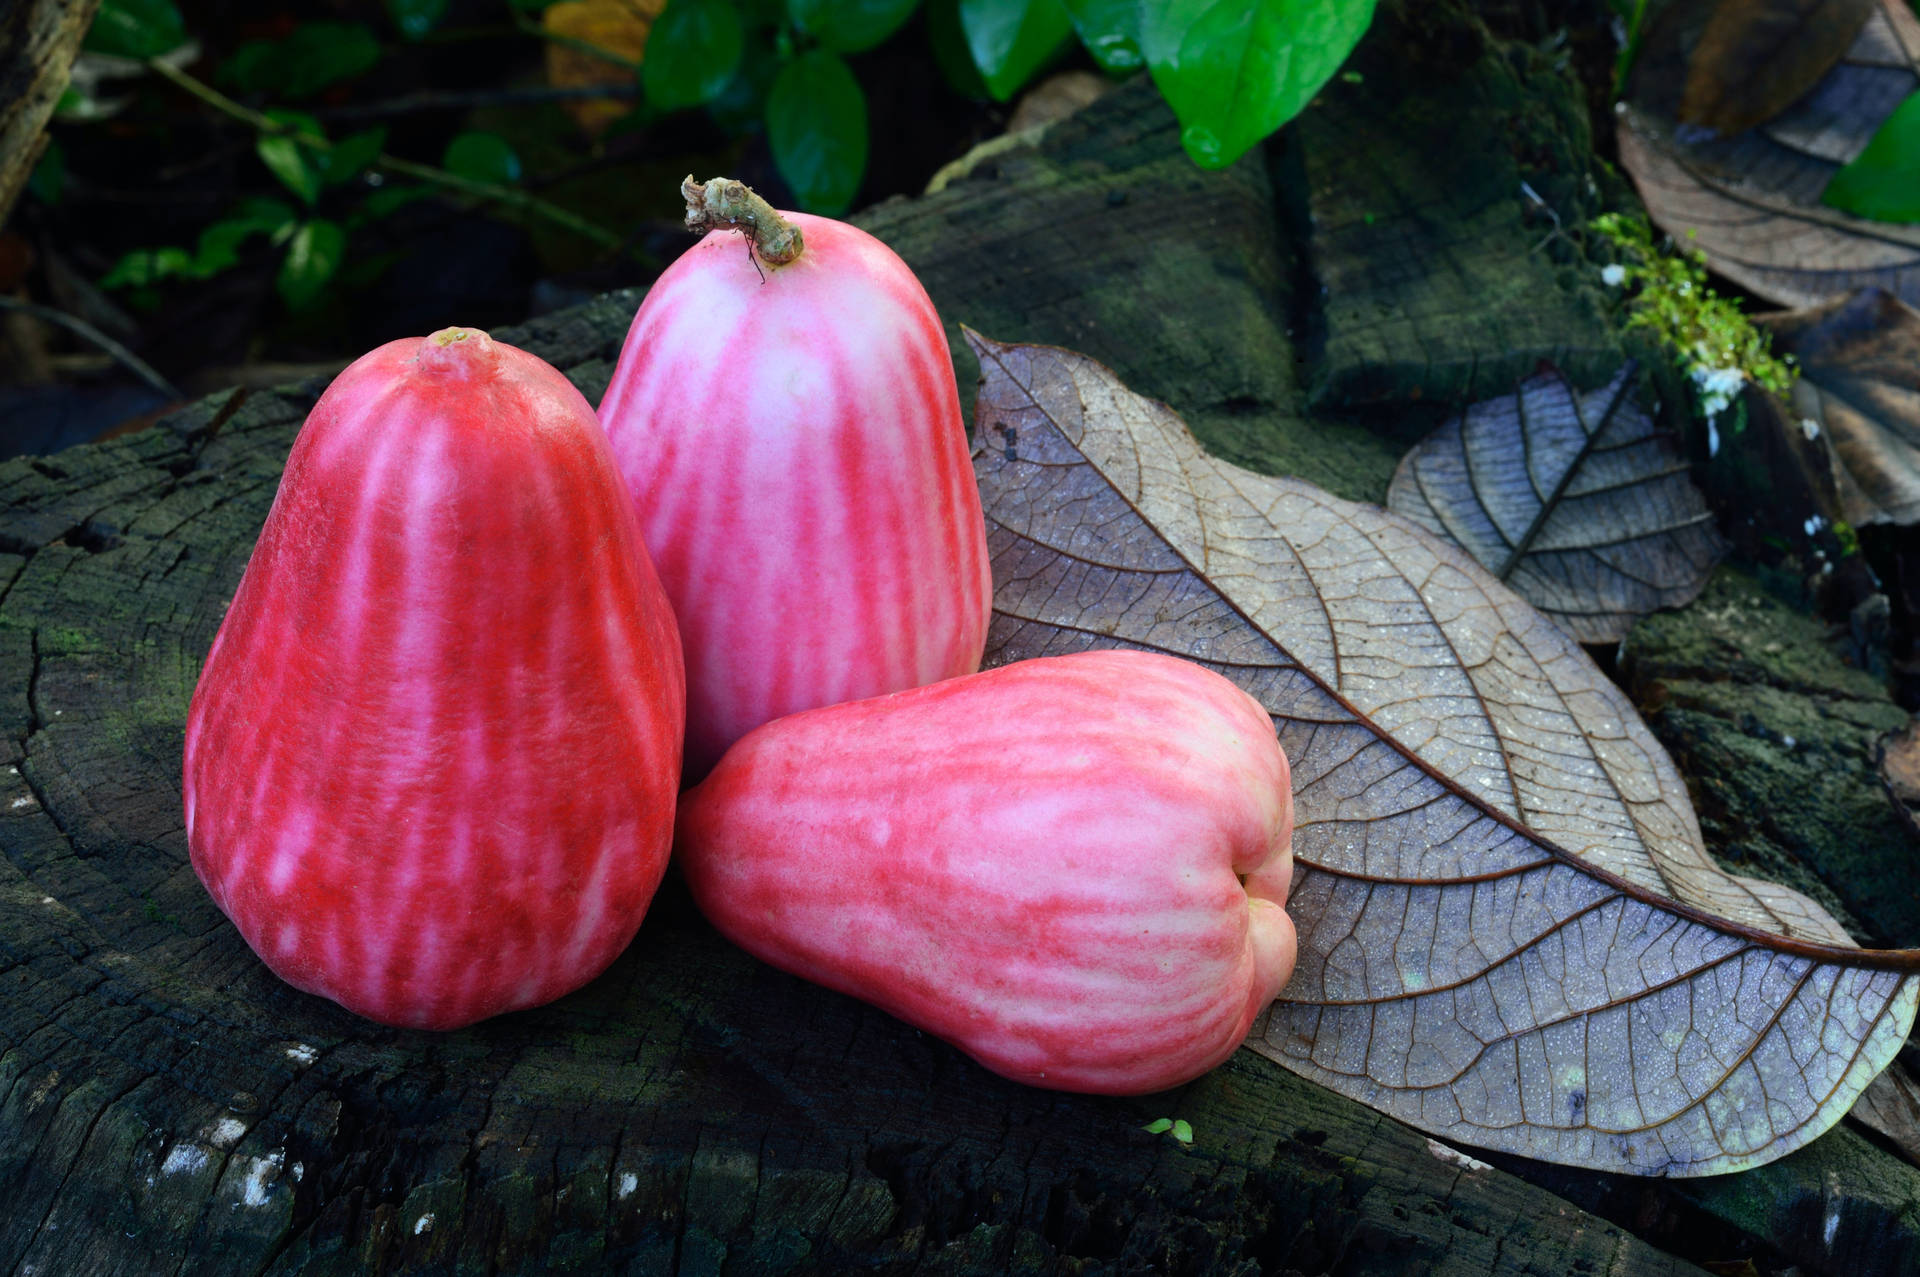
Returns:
<point x="432" y="760"/>
<point x="793" y="439"/>
<point x="1072" y="868"/>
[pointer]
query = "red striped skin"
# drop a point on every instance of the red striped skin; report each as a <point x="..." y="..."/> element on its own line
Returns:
<point x="1037" y="863"/>
<point x="432" y="760"/>
<point x="797" y="456"/>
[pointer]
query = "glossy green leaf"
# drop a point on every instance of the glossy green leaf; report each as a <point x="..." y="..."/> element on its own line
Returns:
<point x="219" y="246"/>
<point x="297" y="166"/>
<point x="849" y="26"/>
<point x="817" y="128"/>
<point x="49" y="175"/>
<point x="313" y="256"/>
<point x="1110" y="29"/>
<point x="352" y="155"/>
<point x="1011" y="39"/>
<point x="316" y="55"/>
<point x="1883" y="182"/>
<point x="1236" y="70"/>
<point x="415" y="18"/>
<point x="136" y="28"/>
<point x="692" y="53"/>
<point x="482" y="157"/>
<point x="950" y="51"/>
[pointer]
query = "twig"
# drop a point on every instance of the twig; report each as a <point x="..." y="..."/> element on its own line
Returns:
<point x="74" y="324"/>
<point x="436" y="101"/>
<point x="490" y="192"/>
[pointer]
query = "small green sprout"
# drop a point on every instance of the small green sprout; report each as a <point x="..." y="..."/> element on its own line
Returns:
<point x="1179" y="1127"/>
<point x="1707" y="335"/>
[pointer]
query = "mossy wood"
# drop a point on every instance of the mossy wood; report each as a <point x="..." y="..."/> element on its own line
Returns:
<point x="167" y="1105"/>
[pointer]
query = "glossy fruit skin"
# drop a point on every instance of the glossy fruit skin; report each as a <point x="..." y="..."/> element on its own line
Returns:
<point x="433" y="757"/>
<point x="1037" y="863"/>
<point x="796" y="452"/>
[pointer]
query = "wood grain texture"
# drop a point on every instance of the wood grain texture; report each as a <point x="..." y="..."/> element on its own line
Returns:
<point x="691" y="1108"/>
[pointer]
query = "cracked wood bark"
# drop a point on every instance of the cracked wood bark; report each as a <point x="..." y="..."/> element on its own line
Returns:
<point x="38" y="41"/>
<point x="166" y="1104"/>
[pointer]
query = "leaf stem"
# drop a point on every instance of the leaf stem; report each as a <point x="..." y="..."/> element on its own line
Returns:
<point x="489" y="192"/>
<point x="587" y="47"/>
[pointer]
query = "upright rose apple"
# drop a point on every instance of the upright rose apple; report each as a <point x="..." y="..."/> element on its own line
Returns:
<point x="432" y="760"/>
<point x="1074" y="868"/>
<point x="788" y="421"/>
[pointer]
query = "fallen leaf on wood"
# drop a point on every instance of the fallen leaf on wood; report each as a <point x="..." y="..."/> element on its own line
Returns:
<point x="1859" y="388"/>
<point x="1890" y="1107"/>
<point x="618" y="26"/>
<point x="1751" y="201"/>
<point x="1577" y="501"/>
<point x="1511" y="935"/>
<point x="1756" y="57"/>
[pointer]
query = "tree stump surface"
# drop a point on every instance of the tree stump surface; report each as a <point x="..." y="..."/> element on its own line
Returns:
<point x="167" y="1105"/>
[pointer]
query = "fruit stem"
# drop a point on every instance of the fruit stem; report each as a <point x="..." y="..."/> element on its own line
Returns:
<point x="721" y="203"/>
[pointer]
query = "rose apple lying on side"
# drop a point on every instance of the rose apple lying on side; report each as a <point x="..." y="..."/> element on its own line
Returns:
<point x="787" y="418"/>
<point x="432" y="761"/>
<point x="1072" y="868"/>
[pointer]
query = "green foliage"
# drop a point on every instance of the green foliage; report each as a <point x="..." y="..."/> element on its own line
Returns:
<point x="1236" y="70"/>
<point x="817" y="129"/>
<point x="1012" y="39"/>
<point x="351" y="156"/>
<point x="415" y="18"/>
<point x="1110" y="30"/>
<point x="1707" y="335"/>
<point x="290" y="160"/>
<point x="849" y="26"/>
<point x="1178" y="1127"/>
<point x="482" y="157"/>
<point x="218" y="249"/>
<point x="1883" y="181"/>
<point x="136" y="28"/>
<point x="313" y="256"/>
<point x="692" y="53"/>
<point x="314" y="56"/>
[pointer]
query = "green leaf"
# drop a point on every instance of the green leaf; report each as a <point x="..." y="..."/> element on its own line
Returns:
<point x="850" y="26"/>
<point x="1883" y="182"/>
<point x="313" y="255"/>
<point x="1111" y="31"/>
<point x="950" y="50"/>
<point x="482" y="157"/>
<point x="415" y="18"/>
<point x="219" y="246"/>
<point x="692" y="53"/>
<point x="351" y="156"/>
<point x="146" y="266"/>
<point x="1236" y="70"/>
<point x="136" y="28"/>
<point x="1182" y="1130"/>
<point x="295" y="165"/>
<point x="1158" y="1126"/>
<point x="316" y="55"/>
<point x="817" y="129"/>
<point x="49" y="175"/>
<point x="1011" y="39"/>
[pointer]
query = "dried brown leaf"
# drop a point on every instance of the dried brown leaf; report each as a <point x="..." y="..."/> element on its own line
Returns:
<point x="1756" y="57"/>
<point x="1577" y="501"/>
<point x="618" y="26"/>
<point x="1507" y="919"/>
<point x="1859" y="388"/>
<point x="1751" y="201"/>
<point x="1890" y="1107"/>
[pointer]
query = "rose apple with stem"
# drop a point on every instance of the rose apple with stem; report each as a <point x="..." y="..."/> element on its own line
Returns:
<point x="1073" y="868"/>
<point x="785" y="412"/>
<point x="432" y="760"/>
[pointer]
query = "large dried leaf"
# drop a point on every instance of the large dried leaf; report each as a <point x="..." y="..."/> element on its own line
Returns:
<point x="1860" y="387"/>
<point x="1578" y="502"/>
<point x="1755" y="57"/>
<point x="1506" y="914"/>
<point x="1751" y="201"/>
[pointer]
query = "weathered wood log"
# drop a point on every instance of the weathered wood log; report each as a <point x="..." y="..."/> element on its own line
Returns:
<point x="166" y="1104"/>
